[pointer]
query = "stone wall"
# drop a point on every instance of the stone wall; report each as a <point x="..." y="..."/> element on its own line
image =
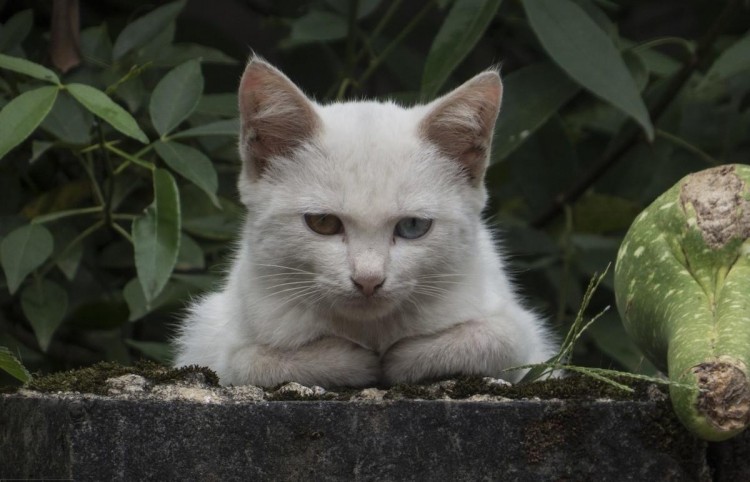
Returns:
<point x="193" y="431"/>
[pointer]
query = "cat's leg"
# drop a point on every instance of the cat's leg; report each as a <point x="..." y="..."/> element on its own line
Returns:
<point x="328" y="362"/>
<point x="469" y="348"/>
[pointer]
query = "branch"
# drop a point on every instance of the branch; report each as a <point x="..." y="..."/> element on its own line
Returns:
<point x="630" y="134"/>
<point x="65" y="35"/>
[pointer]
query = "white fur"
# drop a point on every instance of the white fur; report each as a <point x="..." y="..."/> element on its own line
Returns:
<point x="289" y="310"/>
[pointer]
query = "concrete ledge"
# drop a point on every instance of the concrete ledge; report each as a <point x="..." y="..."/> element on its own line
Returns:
<point x="197" y="432"/>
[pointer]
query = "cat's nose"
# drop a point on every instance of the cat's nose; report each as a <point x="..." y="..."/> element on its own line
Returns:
<point x="368" y="285"/>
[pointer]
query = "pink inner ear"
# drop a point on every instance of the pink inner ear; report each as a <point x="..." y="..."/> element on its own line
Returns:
<point x="462" y="122"/>
<point x="276" y="116"/>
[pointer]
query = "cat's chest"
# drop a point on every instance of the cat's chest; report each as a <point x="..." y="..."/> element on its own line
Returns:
<point x="376" y="335"/>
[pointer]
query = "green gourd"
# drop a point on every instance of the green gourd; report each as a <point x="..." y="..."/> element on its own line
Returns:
<point x="682" y="282"/>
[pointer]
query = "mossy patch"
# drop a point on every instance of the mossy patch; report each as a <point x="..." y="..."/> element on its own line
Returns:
<point x="574" y="387"/>
<point x="93" y="379"/>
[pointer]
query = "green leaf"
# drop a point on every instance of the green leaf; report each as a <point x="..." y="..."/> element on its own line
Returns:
<point x="69" y="121"/>
<point x="44" y="303"/>
<point x="15" y="30"/>
<point x="317" y="26"/>
<point x="536" y="178"/>
<point x="732" y="61"/>
<point x="96" y="46"/>
<point x="26" y="67"/>
<point x="191" y="255"/>
<point x="141" y="31"/>
<point x="10" y="364"/>
<point x="38" y="148"/>
<point x="22" y="251"/>
<point x="533" y="95"/>
<point x="156" y="236"/>
<point x="463" y="27"/>
<point x="602" y="213"/>
<point x="364" y="7"/>
<point x="22" y="115"/>
<point x="67" y="257"/>
<point x="176" y="96"/>
<point x="157" y="47"/>
<point x="176" y="54"/>
<point x="229" y="127"/>
<point x="138" y="307"/>
<point x="161" y="352"/>
<point x="637" y="67"/>
<point x="100" y="104"/>
<point x="587" y="54"/>
<point x="204" y="220"/>
<point x="218" y="105"/>
<point x="192" y="164"/>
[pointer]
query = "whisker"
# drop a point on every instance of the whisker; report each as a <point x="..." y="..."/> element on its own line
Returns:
<point x="286" y="290"/>
<point x="435" y="294"/>
<point x="443" y="275"/>
<point x="284" y="267"/>
<point x="287" y="300"/>
<point x="289" y="283"/>
<point x="276" y="275"/>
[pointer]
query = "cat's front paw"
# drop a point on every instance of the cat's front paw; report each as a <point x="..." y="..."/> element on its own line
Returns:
<point x="335" y="361"/>
<point x="407" y="361"/>
<point x="468" y="348"/>
<point x="327" y="362"/>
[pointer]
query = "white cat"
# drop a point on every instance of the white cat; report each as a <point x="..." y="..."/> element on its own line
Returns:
<point x="363" y="258"/>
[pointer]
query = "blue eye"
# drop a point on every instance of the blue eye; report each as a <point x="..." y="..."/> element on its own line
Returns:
<point x="412" y="228"/>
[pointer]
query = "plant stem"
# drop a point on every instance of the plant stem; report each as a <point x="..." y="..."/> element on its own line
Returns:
<point x="375" y="63"/>
<point x="684" y="43"/>
<point x="680" y="142"/>
<point x="135" y="159"/>
<point x="87" y="166"/>
<point x="366" y="47"/>
<point x="110" y="181"/>
<point x="122" y="232"/>
<point x="124" y="216"/>
<point x="630" y="134"/>
<point x="77" y="240"/>
<point x="45" y="218"/>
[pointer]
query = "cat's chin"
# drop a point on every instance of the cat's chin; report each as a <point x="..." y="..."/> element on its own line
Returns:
<point x="364" y="309"/>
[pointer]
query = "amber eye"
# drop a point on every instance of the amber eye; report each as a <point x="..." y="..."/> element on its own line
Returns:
<point x="326" y="224"/>
<point x="412" y="228"/>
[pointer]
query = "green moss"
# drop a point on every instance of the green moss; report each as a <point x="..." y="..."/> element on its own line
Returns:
<point x="574" y="387"/>
<point x="93" y="379"/>
<point x="410" y="391"/>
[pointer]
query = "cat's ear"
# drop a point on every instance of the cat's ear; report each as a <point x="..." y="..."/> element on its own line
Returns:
<point x="275" y="116"/>
<point x="461" y="123"/>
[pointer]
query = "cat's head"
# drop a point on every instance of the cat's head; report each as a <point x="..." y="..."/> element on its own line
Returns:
<point x="361" y="207"/>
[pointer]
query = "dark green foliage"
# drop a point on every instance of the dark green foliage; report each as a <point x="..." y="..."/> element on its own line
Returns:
<point x="607" y="103"/>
